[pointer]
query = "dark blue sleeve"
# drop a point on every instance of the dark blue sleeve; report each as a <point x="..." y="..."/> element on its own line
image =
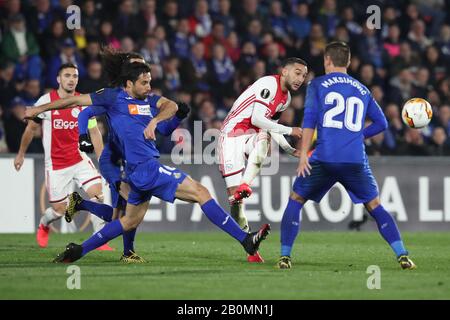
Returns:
<point x="105" y="97"/>
<point x="168" y="126"/>
<point x="85" y="115"/>
<point x="379" y="122"/>
<point x="311" y="111"/>
<point x="153" y="100"/>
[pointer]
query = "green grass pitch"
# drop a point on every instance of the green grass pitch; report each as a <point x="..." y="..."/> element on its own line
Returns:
<point x="210" y="265"/>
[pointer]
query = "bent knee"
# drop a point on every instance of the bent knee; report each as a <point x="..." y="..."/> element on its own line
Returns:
<point x="371" y="205"/>
<point x="129" y="223"/>
<point x="296" y="197"/>
<point x="201" y="194"/>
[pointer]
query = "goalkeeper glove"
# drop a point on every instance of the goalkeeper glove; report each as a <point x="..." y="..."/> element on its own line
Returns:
<point x="183" y="110"/>
<point x="85" y="144"/>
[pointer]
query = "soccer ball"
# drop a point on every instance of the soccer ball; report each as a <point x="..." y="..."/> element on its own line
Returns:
<point x="417" y="113"/>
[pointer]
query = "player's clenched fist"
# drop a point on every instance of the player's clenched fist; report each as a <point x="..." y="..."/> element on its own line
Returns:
<point x="85" y="144"/>
<point x="297" y="132"/>
<point x="149" y="132"/>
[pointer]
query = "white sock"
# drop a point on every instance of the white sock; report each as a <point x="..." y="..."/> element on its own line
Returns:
<point x="97" y="223"/>
<point x="237" y="213"/>
<point x="50" y="216"/>
<point x="255" y="159"/>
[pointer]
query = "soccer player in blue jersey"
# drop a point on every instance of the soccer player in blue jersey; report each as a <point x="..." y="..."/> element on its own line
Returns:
<point x="110" y="161"/>
<point x="337" y="105"/>
<point x="110" y="164"/>
<point x="133" y="122"/>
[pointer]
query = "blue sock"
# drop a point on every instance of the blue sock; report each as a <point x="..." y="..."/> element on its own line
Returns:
<point x="290" y="225"/>
<point x="110" y="231"/>
<point x="388" y="230"/>
<point x="128" y="241"/>
<point x="223" y="220"/>
<point x="103" y="211"/>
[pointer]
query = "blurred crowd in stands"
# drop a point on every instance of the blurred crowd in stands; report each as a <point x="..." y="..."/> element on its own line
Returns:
<point x="206" y="52"/>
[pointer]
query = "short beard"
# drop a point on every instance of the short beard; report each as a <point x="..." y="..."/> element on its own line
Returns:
<point x="68" y="91"/>
<point x="289" y="87"/>
<point x="140" y="96"/>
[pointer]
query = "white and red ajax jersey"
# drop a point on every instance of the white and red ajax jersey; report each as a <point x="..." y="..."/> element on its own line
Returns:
<point x="59" y="134"/>
<point x="264" y="92"/>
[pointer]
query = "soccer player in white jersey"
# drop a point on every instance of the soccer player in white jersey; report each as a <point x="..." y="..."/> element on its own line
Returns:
<point x="64" y="163"/>
<point x="247" y="129"/>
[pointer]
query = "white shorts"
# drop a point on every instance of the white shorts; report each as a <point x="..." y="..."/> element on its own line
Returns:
<point x="60" y="183"/>
<point x="233" y="152"/>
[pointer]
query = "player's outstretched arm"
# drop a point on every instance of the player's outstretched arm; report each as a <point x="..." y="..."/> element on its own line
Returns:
<point x="259" y="120"/>
<point x="168" y="109"/>
<point x="27" y="137"/>
<point x="70" y="102"/>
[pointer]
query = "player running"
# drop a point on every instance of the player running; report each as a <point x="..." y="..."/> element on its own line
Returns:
<point x="131" y="112"/>
<point x="64" y="163"/>
<point x="247" y="129"/>
<point x="337" y="105"/>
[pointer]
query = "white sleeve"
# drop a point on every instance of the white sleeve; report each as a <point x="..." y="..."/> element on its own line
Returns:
<point x="43" y="100"/>
<point x="282" y="142"/>
<point x="265" y="89"/>
<point x="259" y="120"/>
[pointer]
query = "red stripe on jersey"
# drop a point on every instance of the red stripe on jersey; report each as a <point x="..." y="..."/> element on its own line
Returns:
<point x="241" y="108"/>
<point x="243" y="105"/>
<point x="263" y="103"/>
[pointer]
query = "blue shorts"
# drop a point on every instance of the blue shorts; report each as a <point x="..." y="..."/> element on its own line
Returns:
<point x="356" y="178"/>
<point x="113" y="174"/>
<point x="152" y="178"/>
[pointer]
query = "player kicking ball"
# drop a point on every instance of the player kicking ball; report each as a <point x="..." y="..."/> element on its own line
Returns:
<point x="111" y="159"/>
<point x="111" y="168"/>
<point x="133" y="118"/>
<point x="337" y="105"/>
<point x="247" y="129"/>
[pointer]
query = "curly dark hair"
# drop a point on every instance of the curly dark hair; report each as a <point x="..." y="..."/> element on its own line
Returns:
<point x="113" y="61"/>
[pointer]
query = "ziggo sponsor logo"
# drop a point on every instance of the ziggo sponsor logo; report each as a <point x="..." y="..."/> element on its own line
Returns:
<point x="61" y="124"/>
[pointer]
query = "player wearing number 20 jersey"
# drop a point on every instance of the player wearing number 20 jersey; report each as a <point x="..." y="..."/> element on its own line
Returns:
<point x="337" y="105"/>
<point x="340" y="117"/>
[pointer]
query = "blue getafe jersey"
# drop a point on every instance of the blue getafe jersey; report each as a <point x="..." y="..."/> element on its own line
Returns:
<point x="337" y="105"/>
<point x="128" y="119"/>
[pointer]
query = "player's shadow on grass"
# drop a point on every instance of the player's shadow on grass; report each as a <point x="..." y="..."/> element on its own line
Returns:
<point x="325" y="265"/>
